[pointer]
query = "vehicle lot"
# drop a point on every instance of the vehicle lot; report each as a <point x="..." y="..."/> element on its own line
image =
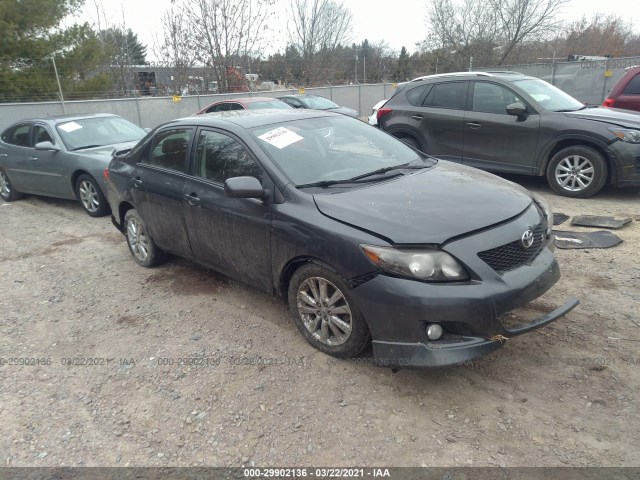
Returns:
<point x="250" y="388"/>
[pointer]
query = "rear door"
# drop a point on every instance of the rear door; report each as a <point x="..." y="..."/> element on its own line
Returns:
<point x="230" y="235"/>
<point x="495" y="140"/>
<point x="14" y="156"/>
<point x="159" y="183"/>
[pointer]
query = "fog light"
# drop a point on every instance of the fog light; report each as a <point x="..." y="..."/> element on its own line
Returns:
<point x="434" y="331"/>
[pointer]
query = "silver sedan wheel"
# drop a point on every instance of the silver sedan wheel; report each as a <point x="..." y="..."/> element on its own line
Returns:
<point x="89" y="196"/>
<point x="5" y="186"/>
<point x="138" y="240"/>
<point x="324" y="310"/>
<point x="574" y="173"/>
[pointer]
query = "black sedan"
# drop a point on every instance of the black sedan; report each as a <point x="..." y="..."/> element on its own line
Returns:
<point x="316" y="102"/>
<point x="368" y="239"/>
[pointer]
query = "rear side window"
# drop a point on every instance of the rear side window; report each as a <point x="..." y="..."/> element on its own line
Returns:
<point x="169" y="150"/>
<point x="451" y="95"/>
<point x="415" y="94"/>
<point x="221" y="107"/>
<point x="17" y="135"/>
<point x="633" y="88"/>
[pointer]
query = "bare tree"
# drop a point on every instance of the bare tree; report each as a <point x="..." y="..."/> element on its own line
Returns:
<point x="228" y="32"/>
<point x="315" y="26"/>
<point x="523" y="20"/>
<point x="598" y="36"/>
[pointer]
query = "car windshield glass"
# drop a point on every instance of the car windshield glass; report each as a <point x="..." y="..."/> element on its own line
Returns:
<point x="548" y="96"/>
<point x="329" y="149"/>
<point x="98" y="131"/>
<point x="267" y="104"/>
<point x="319" y="103"/>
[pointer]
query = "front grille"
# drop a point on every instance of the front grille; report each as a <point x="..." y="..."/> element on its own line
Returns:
<point x="513" y="255"/>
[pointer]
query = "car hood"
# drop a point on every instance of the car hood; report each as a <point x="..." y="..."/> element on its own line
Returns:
<point x="429" y="206"/>
<point x="614" y="116"/>
<point x="106" y="151"/>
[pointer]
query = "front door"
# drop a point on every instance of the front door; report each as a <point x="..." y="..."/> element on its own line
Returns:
<point x="50" y="172"/>
<point x="230" y="235"/>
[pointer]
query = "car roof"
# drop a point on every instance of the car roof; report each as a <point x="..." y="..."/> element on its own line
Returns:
<point x="252" y="118"/>
<point x="502" y="74"/>
<point x="65" y="118"/>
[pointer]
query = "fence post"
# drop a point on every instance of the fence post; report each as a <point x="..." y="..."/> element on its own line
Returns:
<point x="55" y="69"/>
<point x="330" y="91"/>
<point x="198" y="95"/>
<point x="359" y="98"/>
<point x="138" y="109"/>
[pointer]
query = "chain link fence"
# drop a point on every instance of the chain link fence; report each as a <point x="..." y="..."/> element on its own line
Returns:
<point x="150" y="111"/>
<point x="589" y="81"/>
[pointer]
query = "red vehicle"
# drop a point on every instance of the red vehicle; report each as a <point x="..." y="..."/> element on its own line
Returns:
<point x="626" y="93"/>
<point x="247" y="103"/>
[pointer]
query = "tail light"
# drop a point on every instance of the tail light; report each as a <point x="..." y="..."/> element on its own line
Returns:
<point x="608" y="102"/>
<point x="105" y="174"/>
<point x="382" y="112"/>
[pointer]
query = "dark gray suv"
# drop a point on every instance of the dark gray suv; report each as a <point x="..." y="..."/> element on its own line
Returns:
<point x="509" y="122"/>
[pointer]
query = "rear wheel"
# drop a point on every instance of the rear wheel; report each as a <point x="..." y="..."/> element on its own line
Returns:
<point x="141" y="245"/>
<point x="577" y="171"/>
<point x="7" y="192"/>
<point x="324" y="313"/>
<point x="91" y="197"/>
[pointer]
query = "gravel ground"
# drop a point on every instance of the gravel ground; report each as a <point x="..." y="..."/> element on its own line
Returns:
<point x="564" y="395"/>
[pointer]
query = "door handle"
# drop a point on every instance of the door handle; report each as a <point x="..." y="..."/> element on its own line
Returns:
<point x="3" y="155"/>
<point x="137" y="182"/>
<point x="417" y="117"/>
<point x="192" y="199"/>
<point x="474" y="125"/>
<point x="33" y="157"/>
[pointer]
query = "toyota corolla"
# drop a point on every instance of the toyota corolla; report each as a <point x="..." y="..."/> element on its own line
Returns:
<point x="369" y="240"/>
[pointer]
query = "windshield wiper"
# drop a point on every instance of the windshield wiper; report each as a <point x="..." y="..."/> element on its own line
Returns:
<point x="360" y="178"/>
<point x="85" y="147"/>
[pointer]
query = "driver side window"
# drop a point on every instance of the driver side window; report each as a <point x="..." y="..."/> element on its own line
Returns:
<point x="219" y="157"/>
<point x="41" y="134"/>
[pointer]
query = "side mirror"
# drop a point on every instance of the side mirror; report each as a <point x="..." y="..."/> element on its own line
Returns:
<point x="517" y="109"/>
<point x="243" y="187"/>
<point x="47" y="146"/>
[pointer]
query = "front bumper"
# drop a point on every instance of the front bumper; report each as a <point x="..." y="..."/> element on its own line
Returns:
<point x="398" y="310"/>
<point x="627" y="158"/>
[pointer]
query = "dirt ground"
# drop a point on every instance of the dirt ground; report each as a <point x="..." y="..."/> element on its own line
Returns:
<point x="105" y="384"/>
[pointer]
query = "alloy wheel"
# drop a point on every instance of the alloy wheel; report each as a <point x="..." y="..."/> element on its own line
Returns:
<point x="324" y="311"/>
<point x="5" y="186"/>
<point x="574" y="173"/>
<point x="89" y="196"/>
<point x="138" y="240"/>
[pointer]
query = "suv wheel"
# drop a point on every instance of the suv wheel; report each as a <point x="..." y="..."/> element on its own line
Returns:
<point x="578" y="171"/>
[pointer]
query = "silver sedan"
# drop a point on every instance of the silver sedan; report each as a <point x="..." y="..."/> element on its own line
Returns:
<point x="63" y="157"/>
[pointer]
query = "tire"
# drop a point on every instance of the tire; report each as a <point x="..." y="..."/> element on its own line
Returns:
<point x="90" y="195"/>
<point x="412" y="142"/>
<point x="7" y="192"/>
<point x="578" y="171"/>
<point x="341" y="332"/>
<point x="144" y="250"/>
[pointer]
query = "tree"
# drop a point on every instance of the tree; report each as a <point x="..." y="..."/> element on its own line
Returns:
<point x="318" y="26"/>
<point x="30" y="35"/>
<point x="227" y="33"/>
<point x="598" y="36"/>
<point x="123" y="46"/>
<point x="522" y="20"/>
<point x="403" y="71"/>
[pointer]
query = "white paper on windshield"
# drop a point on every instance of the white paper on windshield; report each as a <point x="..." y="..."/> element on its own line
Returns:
<point x="280" y="137"/>
<point x="540" y="97"/>
<point x="69" y="127"/>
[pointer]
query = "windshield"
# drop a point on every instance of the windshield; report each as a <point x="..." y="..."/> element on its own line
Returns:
<point x="267" y="104"/>
<point x="332" y="148"/>
<point x="98" y="131"/>
<point x="548" y="96"/>
<point x="319" y="103"/>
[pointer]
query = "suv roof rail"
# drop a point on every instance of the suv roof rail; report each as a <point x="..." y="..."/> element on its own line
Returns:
<point x="454" y="74"/>
<point x="504" y="72"/>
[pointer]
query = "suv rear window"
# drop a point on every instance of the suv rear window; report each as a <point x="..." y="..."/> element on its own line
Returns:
<point x="448" y="95"/>
<point x="633" y="87"/>
<point x="414" y="95"/>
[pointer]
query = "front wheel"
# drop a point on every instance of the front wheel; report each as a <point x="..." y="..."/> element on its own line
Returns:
<point x="578" y="171"/>
<point x="91" y="197"/>
<point x="141" y="245"/>
<point x="7" y="192"/>
<point x="324" y="314"/>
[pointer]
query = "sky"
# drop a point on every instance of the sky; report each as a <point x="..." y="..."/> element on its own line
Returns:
<point x="399" y="23"/>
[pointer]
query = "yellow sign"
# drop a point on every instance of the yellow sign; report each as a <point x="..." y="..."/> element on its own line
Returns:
<point x="301" y="91"/>
<point x="176" y="98"/>
<point x="608" y="73"/>
<point x="394" y="84"/>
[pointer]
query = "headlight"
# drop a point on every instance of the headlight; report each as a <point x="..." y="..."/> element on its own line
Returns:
<point x="546" y="210"/>
<point x="626" y="134"/>
<point x="427" y="265"/>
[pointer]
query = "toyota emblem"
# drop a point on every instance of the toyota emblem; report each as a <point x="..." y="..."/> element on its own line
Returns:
<point x="527" y="239"/>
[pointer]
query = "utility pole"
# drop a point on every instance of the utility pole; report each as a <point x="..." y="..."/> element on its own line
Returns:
<point x="355" y="69"/>
<point x="364" y="69"/>
<point x="55" y="69"/>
